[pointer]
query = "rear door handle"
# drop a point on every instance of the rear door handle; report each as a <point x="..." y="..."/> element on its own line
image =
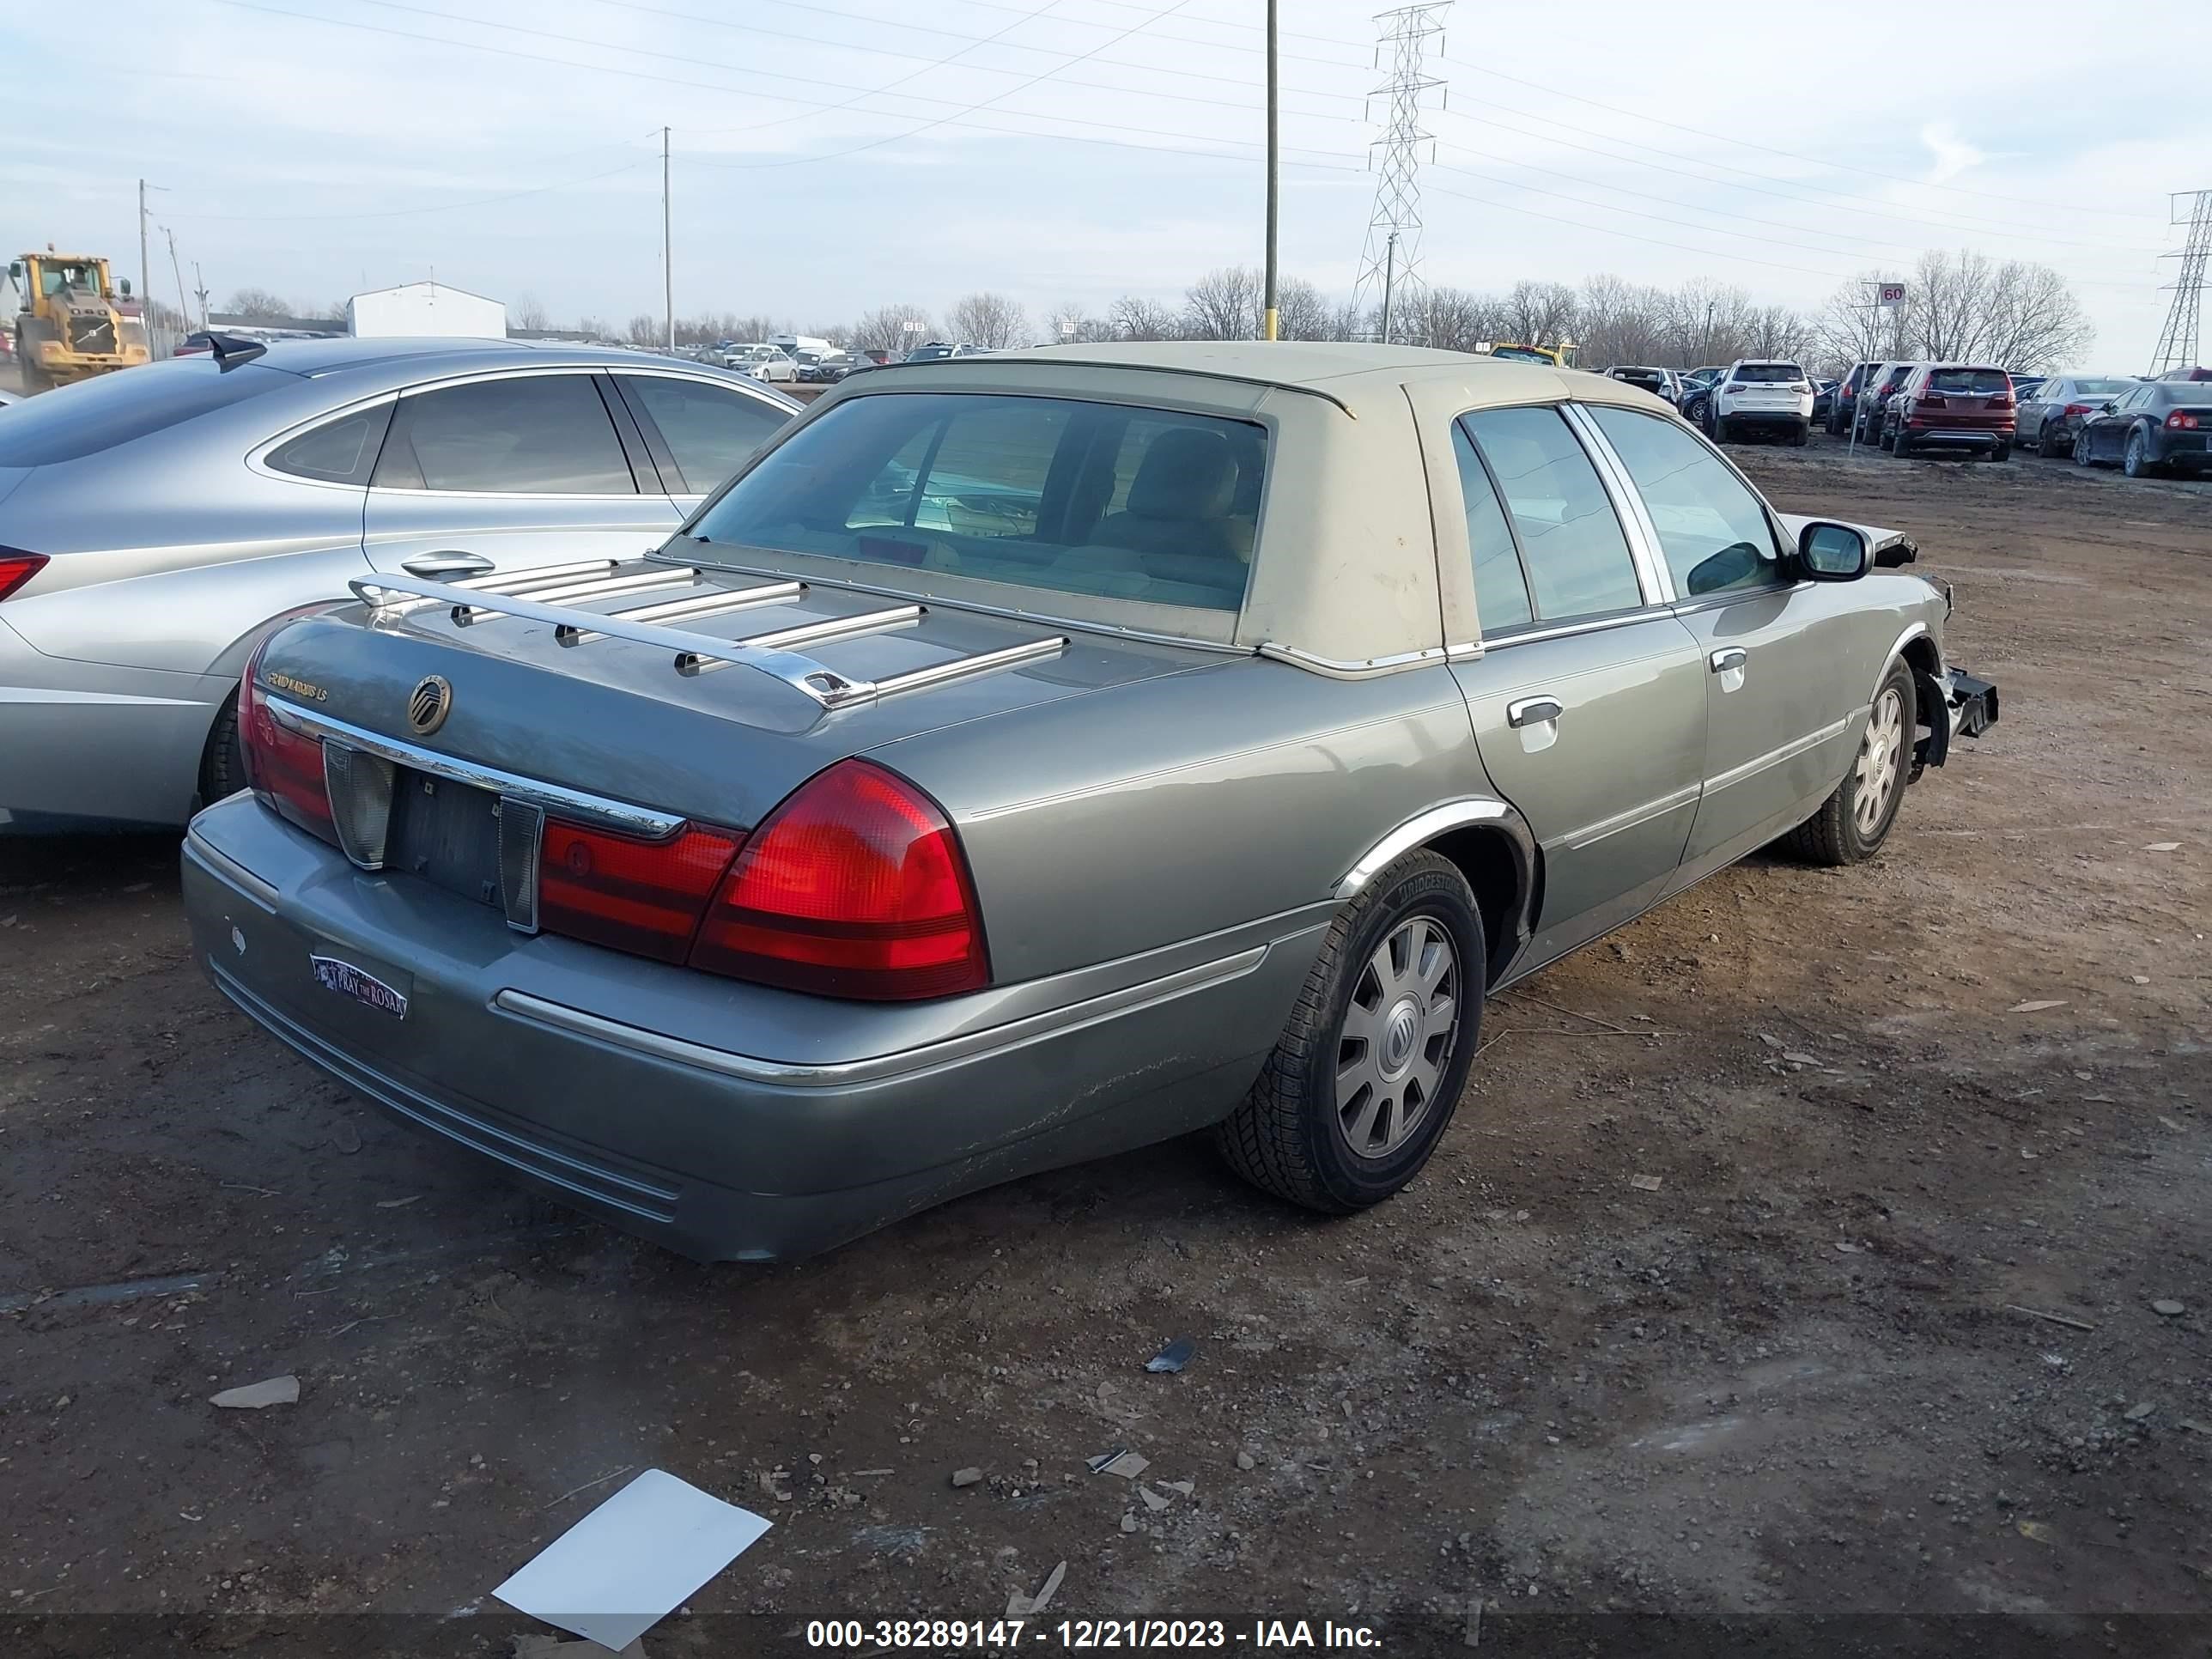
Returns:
<point x="449" y="562"/>
<point x="1533" y="711"/>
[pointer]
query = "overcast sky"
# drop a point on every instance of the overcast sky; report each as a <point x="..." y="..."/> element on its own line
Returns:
<point x="838" y="154"/>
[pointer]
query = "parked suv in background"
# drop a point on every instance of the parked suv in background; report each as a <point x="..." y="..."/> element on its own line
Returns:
<point x="1951" y="406"/>
<point x="1846" y="402"/>
<point x="1883" y="381"/>
<point x="2048" y="420"/>
<point x="1761" y="395"/>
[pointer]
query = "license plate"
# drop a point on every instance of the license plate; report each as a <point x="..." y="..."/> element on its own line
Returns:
<point x="362" y="985"/>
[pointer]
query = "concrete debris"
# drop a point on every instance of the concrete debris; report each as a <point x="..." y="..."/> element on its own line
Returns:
<point x="1153" y="1501"/>
<point x="1128" y="1521"/>
<point x="273" y="1391"/>
<point x="1246" y="1461"/>
<point x="2168" y="1309"/>
<point x="967" y="1477"/>
<point x="1184" y="1488"/>
<point x="1645" y="1183"/>
<point x="1019" y="1606"/>
<point x="2035" y="1007"/>
<point x="2140" y="1410"/>
<point x="1126" y="1464"/>
<point x="2163" y="847"/>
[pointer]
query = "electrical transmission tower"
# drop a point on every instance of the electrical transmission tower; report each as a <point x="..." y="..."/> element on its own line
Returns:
<point x="1390" y="263"/>
<point x="2177" y="342"/>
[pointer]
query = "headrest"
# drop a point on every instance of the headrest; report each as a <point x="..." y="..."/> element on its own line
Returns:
<point x="1187" y="473"/>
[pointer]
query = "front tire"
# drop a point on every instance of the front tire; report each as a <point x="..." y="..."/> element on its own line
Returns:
<point x="1853" y="822"/>
<point x="1368" y="1072"/>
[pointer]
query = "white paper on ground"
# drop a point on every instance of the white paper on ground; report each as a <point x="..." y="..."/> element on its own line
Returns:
<point x="633" y="1561"/>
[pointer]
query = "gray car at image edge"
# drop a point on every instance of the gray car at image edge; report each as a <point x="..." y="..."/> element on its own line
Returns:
<point x="1031" y="757"/>
<point x="156" y="523"/>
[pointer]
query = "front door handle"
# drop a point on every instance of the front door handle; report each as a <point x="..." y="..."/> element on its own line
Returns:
<point x="449" y="562"/>
<point x="1533" y="711"/>
<point x="1733" y="656"/>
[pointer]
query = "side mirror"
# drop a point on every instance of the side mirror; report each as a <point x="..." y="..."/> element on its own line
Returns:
<point x="1832" y="552"/>
<point x="126" y="288"/>
<point x="15" y="271"/>
<point x="2106" y="409"/>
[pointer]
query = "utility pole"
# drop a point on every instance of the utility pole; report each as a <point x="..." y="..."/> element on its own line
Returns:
<point x="145" y="267"/>
<point x="667" y="267"/>
<point x="1268" y="315"/>
<point x="2177" y="340"/>
<point x="199" y="292"/>
<point x="1392" y="254"/>
<point x="184" y="305"/>
<point x="1390" y="283"/>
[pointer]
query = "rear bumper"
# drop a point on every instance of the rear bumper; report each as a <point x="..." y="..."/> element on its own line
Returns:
<point x="726" y="1121"/>
<point x="1963" y="437"/>
<point x="92" y="745"/>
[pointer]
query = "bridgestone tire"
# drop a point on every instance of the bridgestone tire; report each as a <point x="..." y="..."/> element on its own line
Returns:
<point x="1284" y="1136"/>
<point x="1832" y="835"/>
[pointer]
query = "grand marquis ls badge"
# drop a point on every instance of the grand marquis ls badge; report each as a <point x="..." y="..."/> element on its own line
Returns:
<point x="429" y="704"/>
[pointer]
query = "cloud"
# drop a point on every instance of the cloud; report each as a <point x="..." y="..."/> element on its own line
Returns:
<point x="1954" y="154"/>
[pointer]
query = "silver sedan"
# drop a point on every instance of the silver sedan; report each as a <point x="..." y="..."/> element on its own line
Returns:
<point x="156" y="525"/>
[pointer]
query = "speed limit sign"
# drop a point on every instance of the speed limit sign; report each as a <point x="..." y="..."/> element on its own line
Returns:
<point x="1891" y="296"/>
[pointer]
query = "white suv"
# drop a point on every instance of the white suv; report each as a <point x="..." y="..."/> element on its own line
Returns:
<point x="1761" y="395"/>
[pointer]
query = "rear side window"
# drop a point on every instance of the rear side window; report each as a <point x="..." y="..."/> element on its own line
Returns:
<point x="1969" y="382"/>
<point x="342" y="450"/>
<point x="710" y="430"/>
<point x="1501" y="588"/>
<point x="1109" y="499"/>
<point x="534" y="434"/>
<point x="2100" y="388"/>
<point x="1578" y="559"/>
<point x="72" y="422"/>
<point x="1764" y="374"/>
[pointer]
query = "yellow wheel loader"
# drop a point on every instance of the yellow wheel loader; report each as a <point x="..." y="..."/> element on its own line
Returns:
<point x="70" y="325"/>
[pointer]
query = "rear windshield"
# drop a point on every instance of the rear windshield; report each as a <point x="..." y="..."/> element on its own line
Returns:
<point x="1767" y="372"/>
<point x="2103" y="388"/>
<point x="72" y="422"/>
<point x="1969" y="382"/>
<point x="1135" y="503"/>
<point x="1520" y="354"/>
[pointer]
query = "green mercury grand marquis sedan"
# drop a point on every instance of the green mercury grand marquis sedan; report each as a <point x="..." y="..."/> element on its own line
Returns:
<point x="1028" y="756"/>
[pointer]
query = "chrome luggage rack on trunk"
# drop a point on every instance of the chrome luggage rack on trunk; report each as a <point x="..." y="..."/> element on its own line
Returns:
<point x="548" y="596"/>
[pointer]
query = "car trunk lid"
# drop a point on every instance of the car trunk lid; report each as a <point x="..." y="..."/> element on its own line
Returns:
<point x="637" y="697"/>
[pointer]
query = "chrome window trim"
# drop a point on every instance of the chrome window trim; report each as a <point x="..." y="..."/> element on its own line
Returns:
<point x="1568" y="629"/>
<point x="1653" y="578"/>
<point x="1425" y="827"/>
<point x="1337" y="668"/>
<point x="1737" y="596"/>
<point x="1783" y="545"/>
<point x="906" y="1062"/>
<point x="622" y="817"/>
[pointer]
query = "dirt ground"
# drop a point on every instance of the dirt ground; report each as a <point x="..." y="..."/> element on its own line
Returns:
<point x="1712" y="1305"/>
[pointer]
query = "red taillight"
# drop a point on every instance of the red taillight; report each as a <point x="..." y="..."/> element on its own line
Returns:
<point x="284" y="768"/>
<point x="642" y="896"/>
<point x="16" y="568"/>
<point x="1929" y="400"/>
<point x="2076" y="409"/>
<point x="2003" y="400"/>
<point x="2180" y="420"/>
<point x="856" y="886"/>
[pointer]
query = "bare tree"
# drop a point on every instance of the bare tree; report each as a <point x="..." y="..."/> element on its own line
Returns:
<point x="644" y="331"/>
<point x="592" y="328"/>
<point x="2013" y="315"/>
<point x="1540" y="314"/>
<point x="529" y="312"/>
<point x="1302" y="313"/>
<point x="1449" y="319"/>
<point x="258" y="305"/>
<point x="1131" y="318"/>
<point x="889" y="328"/>
<point x="1851" y="328"/>
<point x="989" y="319"/>
<point x="1224" y="305"/>
<point x="838" y="334"/>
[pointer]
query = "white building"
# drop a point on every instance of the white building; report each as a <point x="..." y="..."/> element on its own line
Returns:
<point x="425" y="308"/>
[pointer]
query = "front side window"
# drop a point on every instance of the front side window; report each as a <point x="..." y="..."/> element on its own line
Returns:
<point x="1109" y="499"/>
<point x="1501" y="589"/>
<point x="532" y="434"/>
<point x="1711" y="528"/>
<point x="1578" y="561"/>
<point x="709" y="429"/>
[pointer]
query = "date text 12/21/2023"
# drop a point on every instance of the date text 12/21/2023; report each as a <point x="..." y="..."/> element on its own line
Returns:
<point x="937" y="1635"/>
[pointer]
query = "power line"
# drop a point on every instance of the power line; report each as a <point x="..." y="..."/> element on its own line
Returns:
<point x="641" y="6"/>
<point x="1956" y="225"/>
<point x="1791" y="155"/>
<point x="2177" y="341"/>
<point x="1608" y="230"/>
<point x="399" y="213"/>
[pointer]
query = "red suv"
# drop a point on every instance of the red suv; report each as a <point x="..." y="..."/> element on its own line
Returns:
<point x="1953" y="406"/>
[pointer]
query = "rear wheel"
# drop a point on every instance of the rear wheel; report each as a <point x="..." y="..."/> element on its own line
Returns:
<point x="1801" y="435"/>
<point x="2136" y="462"/>
<point x="1900" y="445"/>
<point x="2083" y="455"/>
<point x="223" y="765"/>
<point x="1369" y="1072"/>
<point x="1853" y="822"/>
<point x="2001" y="451"/>
<point x="2051" y="442"/>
